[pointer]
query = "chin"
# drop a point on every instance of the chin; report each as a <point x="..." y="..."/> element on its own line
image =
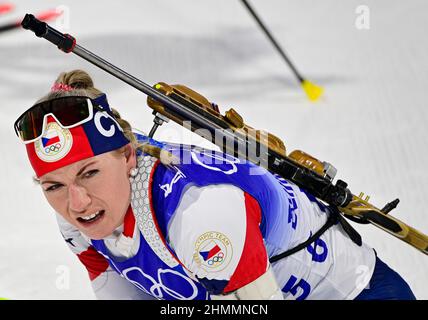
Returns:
<point x="98" y="235"/>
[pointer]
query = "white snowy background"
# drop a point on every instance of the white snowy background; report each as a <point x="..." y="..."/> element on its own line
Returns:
<point x="371" y="123"/>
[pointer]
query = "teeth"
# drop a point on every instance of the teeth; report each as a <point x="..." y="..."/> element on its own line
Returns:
<point x="91" y="216"/>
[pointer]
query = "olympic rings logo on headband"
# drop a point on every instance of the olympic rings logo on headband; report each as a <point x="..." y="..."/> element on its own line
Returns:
<point x="53" y="148"/>
<point x="54" y="144"/>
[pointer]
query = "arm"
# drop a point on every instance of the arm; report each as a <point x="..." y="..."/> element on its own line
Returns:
<point x="215" y="233"/>
<point x="106" y="283"/>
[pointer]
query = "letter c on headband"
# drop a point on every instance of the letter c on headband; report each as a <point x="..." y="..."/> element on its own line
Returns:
<point x="97" y="119"/>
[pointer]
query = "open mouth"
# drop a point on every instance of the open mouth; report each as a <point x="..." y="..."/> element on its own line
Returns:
<point x="91" y="218"/>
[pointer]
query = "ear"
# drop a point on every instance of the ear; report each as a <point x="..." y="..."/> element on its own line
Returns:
<point x="131" y="157"/>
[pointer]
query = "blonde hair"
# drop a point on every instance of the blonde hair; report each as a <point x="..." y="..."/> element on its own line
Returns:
<point x="82" y="85"/>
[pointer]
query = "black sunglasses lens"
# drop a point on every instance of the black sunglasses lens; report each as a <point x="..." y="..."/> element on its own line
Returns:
<point x="70" y="111"/>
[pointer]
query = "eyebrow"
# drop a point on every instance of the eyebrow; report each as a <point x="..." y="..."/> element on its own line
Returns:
<point x="78" y="173"/>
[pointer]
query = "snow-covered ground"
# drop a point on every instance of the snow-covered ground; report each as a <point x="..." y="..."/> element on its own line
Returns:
<point x="371" y="122"/>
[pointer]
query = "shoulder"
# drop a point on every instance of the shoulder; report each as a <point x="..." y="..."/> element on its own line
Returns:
<point x="215" y="234"/>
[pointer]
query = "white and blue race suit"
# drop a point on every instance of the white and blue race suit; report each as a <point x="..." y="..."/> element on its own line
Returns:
<point x="209" y="224"/>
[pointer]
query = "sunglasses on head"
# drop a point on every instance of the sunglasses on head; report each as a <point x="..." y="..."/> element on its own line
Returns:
<point x="68" y="112"/>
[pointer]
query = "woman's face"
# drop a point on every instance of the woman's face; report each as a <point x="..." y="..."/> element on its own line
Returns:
<point x="92" y="194"/>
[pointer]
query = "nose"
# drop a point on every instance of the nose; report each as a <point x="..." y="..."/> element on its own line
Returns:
<point x="78" y="198"/>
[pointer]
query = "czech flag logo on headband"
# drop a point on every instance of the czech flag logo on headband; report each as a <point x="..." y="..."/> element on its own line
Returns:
<point x="59" y="147"/>
<point x="55" y="144"/>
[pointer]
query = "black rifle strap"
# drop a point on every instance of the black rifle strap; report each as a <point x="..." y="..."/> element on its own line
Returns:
<point x="333" y="218"/>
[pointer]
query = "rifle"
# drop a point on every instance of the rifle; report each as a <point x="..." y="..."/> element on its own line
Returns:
<point x="193" y="111"/>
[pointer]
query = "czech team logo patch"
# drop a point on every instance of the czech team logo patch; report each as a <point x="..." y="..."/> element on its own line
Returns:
<point x="213" y="251"/>
<point x="54" y="144"/>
